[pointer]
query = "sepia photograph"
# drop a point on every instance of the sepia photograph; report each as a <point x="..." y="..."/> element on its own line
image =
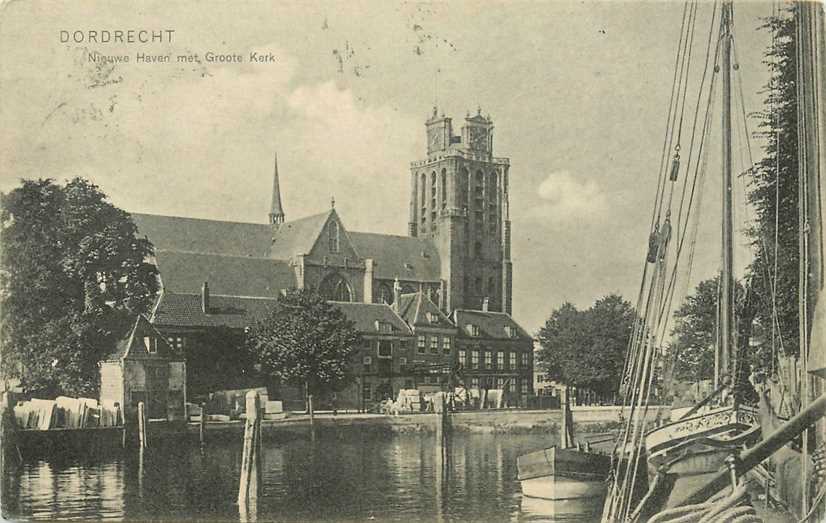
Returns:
<point x="483" y="261"/>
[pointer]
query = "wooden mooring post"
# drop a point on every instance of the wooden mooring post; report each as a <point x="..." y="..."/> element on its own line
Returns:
<point x="202" y="425"/>
<point x="144" y="441"/>
<point x="251" y="483"/>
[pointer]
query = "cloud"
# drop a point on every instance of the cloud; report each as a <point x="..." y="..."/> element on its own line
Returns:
<point x="565" y="197"/>
<point x="352" y="149"/>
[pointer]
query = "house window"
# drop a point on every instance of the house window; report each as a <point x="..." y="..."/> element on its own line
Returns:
<point x="473" y="330"/>
<point x="367" y="362"/>
<point x="383" y="327"/>
<point x="176" y="342"/>
<point x="525" y="386"/>
<point x="500" y="383"/>
<point x="431" y="317"/>
<point x="434" y="345"/>
<point x="488" y="359"/>
<point x="446" y="344"/>
<point x="422" y="345"/>
<point x="334" y="237"/>
<point x="525" y="360"/>
<point x="462" y="356"/>
<point x="385" y="349"/>
<point x="500" y="360"/>
<point x="366" y="392"/>
<point x="403" y="364"/>
<point x="512" y="356"/>
<point x="474" y="359"/>
<point x="151" y="344"/>
<point x="474" y="382"/>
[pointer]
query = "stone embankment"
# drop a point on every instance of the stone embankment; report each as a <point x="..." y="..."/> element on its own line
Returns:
<point x="505" y="421"/>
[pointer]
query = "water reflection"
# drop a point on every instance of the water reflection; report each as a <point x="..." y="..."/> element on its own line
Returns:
<point x="340" y="475"/>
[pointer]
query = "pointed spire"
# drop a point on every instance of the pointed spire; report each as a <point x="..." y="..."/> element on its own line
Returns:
<point x="332" y="202"/>
<point x="276" y="211"/>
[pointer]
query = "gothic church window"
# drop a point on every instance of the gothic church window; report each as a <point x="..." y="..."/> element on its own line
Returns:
<point x="385" y="294"/>
<point x="334" y="287"/>
<point x="463" y="188"/>
<point x="444" y="188"/>
<point x="334" y="236"/>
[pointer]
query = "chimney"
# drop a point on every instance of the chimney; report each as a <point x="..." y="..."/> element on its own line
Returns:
<point x="485" y="304"/>
<point x="205" y="298"/>
<point x="397" y="295"/>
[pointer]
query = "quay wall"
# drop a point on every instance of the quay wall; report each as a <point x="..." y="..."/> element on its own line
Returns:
<point x="587" y="420"/>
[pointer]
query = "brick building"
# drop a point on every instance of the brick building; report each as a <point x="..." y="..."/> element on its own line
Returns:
<point x="456" y="256"/>
<point x="494" y="352"/>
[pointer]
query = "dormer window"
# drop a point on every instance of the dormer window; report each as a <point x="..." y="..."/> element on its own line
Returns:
<point x="432" y="318"/>
<point x="510" y="331"/>
<point x="334" y="236"/>
<point x="151" y="344"/>
<point x="383" y="327"/>
<point x="472" y="330"/>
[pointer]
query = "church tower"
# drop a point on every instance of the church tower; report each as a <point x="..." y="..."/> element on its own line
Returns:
<point x="276" y="216"/>
<point x="459" y="200"/>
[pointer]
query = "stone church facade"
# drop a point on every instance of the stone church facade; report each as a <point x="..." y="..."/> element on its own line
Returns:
<point x="456" y="254"/>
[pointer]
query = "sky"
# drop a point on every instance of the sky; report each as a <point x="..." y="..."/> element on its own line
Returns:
<point x="578" y="92"/>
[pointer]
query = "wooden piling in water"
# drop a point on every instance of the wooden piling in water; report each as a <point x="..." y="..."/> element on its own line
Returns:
<point x="202" y="425"/>
<point x="142" y="426"/>
<point x="250" y="484"/>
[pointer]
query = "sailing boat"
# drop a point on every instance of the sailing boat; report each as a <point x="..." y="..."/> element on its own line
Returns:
<point x="697" y="441"/>
<point x="687" y="451"/>
<point x="565" y="472"/>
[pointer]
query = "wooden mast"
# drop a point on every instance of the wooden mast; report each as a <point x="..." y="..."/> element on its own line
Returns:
<point x="811" y="127"/>
<point x="726" y="272"/>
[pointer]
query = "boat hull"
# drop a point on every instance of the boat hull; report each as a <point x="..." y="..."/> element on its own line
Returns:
<point x="563" y="474"/>
<point x="694" y="449"/>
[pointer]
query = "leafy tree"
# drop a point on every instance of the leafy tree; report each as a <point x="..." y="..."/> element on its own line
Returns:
<point x="773" y="190"/>
<point x="587" y="348"/>
<point x="73" y="274"/>
<point x="219" y="359"/>
<point x="695" y="334"/>
<point x="305" y="341"/>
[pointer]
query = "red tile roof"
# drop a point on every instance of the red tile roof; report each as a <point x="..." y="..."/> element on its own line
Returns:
<point x="365" y="315"/>
<point x="184" y="310"/>
<point x="491" y="324"/>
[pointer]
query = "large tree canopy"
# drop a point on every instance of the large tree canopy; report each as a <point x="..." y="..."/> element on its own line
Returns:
<point x="587" y="348"/>
<point x="773" y="192"/>
<point x="695" y="330"/>
<point x="305" y="341"/>
<point x="73" y="271"/>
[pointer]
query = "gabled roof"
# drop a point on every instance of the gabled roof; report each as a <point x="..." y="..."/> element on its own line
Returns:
<point x="405" y="257"/>
<point x="414" y="308"/>
<point x="131" y="344"/>
<point x="183" y="272"/>
<point x="298" y="236"/>
<point x="184" y="310"/>
<point x="174" y="233"/>
<point x="365" y="315"/>
<point x="491" y="324"/>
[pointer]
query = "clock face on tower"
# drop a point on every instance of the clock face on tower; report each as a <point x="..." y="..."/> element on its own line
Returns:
<point x="478" y="139"/>
<point x="434" y="140"/>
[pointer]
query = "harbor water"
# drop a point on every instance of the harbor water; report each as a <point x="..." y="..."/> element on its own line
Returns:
<point x="340" y="475"/>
